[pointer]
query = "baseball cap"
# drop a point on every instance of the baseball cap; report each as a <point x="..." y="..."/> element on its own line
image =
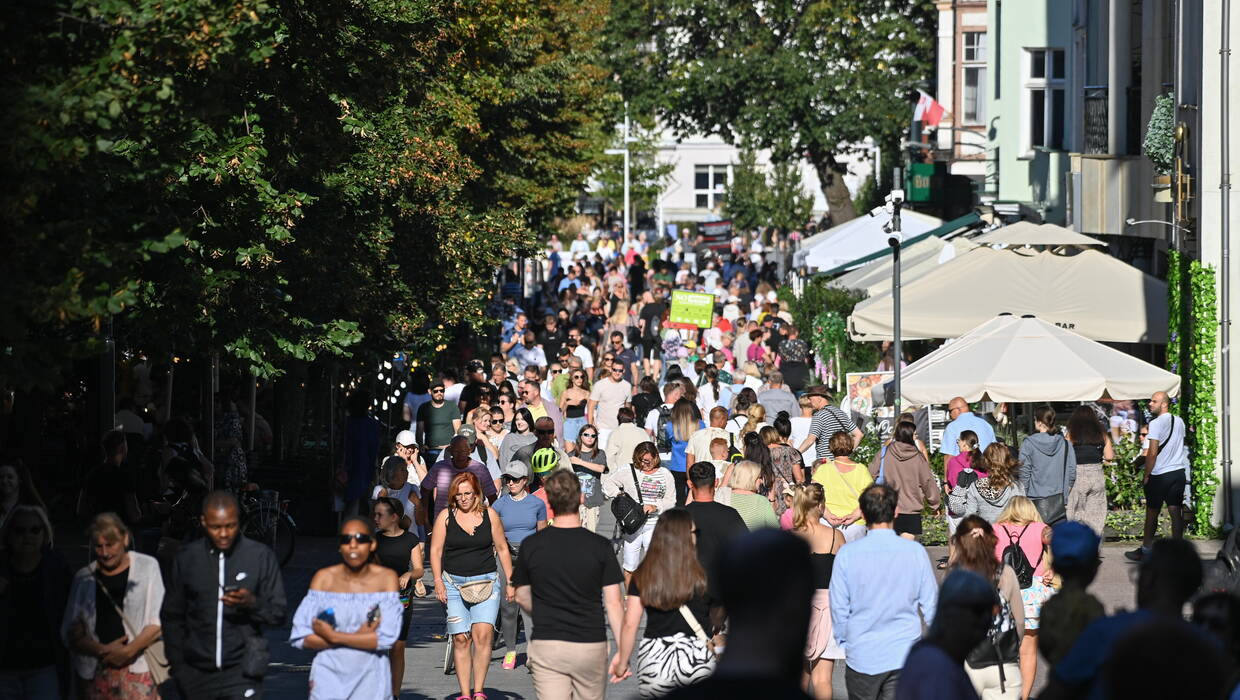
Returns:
<point x="406" y="438"/>
<point x="474" y="366"/>
<point x="468" y="432"/>
<point x="516" y="470"/>
<point x="1074" y="543"/>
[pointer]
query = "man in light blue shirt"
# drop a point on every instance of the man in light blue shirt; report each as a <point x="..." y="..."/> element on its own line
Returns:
<point x="879" y="585"/>
<point x="964" y="419"/>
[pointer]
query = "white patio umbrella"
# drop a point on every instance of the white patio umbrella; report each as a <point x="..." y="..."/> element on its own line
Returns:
<point x="1026" y="359"/>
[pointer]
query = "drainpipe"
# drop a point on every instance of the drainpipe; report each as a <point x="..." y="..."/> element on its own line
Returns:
<point x="1225" y="265"/>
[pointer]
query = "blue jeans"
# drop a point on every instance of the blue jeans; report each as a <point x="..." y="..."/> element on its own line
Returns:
<point x="463" y="616"/>
<point x="572" y="428"/>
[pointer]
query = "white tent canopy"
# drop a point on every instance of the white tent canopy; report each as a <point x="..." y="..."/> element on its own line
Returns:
<point x="1028" y="233"/>
<point x="1015" y="359"/>
<point x="921" y="258"/>
<point x="858" y="238"/>
<point x="1096" y="295"/>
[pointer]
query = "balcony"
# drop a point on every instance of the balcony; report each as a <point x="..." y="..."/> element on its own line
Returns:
<point x="1097" y="121"/>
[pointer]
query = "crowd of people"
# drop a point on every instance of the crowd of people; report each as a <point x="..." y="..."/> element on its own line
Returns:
<point x="751" y="554"/>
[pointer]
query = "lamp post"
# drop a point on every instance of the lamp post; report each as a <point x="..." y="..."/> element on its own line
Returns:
<point x="895" y="239"/>
<point x="624" y="152"/>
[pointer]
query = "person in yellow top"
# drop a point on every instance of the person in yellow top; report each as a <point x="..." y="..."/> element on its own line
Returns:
<point x="843" y="480"/>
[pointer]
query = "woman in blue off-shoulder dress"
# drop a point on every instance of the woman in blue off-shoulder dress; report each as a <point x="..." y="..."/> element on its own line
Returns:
<point x="351" y="615"/>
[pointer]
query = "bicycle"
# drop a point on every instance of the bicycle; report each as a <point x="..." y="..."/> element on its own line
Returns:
<point x="265" y="518"/>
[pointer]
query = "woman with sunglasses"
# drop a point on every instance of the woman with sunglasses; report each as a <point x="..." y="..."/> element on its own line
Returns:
<point x="507" y="402"/>
<point x="520" y="434"/>
<point x="352" y="616"/>
<point x="589" y="463"/>
<point x="467" y="538"/>
<point x="522" y="516"/>
<point x="499" y="427"/>
<point x="32" y="607"/>
<point x="573" y="406"/>
<point x="400" y="550"/>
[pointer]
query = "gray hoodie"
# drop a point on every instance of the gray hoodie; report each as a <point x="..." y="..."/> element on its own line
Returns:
<point x="1047" y="465"/>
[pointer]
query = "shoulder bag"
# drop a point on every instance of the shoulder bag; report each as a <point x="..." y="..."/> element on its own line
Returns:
<point x="696" y="626"/>
<point x="156" y="660"/>
<point x="1054" y="508"/>
<point x="629" y="514"/>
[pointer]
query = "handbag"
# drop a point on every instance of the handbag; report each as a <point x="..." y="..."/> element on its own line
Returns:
<point x="156" y="660"/>
<point x="698" y="632"/>
<point x="476" y="592"/>
<point x="1053" y="508"/>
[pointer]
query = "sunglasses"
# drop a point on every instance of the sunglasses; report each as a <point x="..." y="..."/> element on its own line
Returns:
<point x="359" y="537"/>
<point x="436" y="391"/>
<point x="589" y="435"/>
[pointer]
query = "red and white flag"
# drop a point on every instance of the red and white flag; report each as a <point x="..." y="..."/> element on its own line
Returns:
<point x="928" y="111"/>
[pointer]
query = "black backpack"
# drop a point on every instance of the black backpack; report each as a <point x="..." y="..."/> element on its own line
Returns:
<point x="630" y="516"/>
<point x="1002" y="642"/>
<point x="661" y="439"/>
<point x="734" y="453"/>
<point x="1015" y="557"/>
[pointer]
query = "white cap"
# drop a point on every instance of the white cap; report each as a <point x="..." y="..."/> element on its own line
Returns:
<point x="406" y="438"/>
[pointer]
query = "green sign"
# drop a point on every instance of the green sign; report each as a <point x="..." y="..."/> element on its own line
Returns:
<point x="920" y="175"/>
<point x="692" y="309"/>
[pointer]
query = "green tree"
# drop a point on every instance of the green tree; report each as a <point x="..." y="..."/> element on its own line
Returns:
<point x="790" y="205"/>
<point x="747" y="194"/>
<point x="280" y="181"/>
<point x="804" y="78"/>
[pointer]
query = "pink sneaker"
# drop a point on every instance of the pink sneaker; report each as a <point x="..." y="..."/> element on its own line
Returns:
<point x="510" y="661"/>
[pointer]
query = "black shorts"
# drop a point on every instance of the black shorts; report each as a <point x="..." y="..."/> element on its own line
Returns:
<point x="908" y="522"/>
<point x="652" y="349"/>
<point x="1165" y="488"/>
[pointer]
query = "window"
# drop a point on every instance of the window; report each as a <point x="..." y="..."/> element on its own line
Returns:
<point x="1044" y="99"/>
<point x="710" y="183"/>
<point x="973" y="96"/>
<point x="975" y="47"/>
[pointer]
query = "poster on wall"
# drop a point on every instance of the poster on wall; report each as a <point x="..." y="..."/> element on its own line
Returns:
<point x="865" y="398"/>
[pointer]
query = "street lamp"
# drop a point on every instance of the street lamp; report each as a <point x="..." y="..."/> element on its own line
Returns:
<point x="624" y="152"/>
<point x="1175" y="228"/>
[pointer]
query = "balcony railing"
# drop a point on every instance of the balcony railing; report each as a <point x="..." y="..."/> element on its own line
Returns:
<point x="1096" y="139"/>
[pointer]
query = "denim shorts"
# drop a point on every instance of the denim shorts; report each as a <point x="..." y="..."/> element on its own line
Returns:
<point x="461" y="615"/>
<point x="572" y="427"/>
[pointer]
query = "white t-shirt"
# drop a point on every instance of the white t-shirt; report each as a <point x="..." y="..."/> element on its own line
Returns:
<point x="699" y="442"/>
<point x="1168" y="430"/>
<point x="610" y="396"/>
<point x="452" y="394"/>
<point x="587" y="360"/>
<point x="800" y="431"/>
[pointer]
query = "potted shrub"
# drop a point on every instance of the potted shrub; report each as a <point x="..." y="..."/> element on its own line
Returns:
<point x="1159" y="143"/>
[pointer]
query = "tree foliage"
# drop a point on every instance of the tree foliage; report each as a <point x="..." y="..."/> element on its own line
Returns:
<point x="757" y="199"/>
<point x="804" y="78"/>
<point x="647" y="175"/>
<point x="276" y="179"/>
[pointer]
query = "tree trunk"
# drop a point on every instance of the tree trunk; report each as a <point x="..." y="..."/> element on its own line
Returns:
<point x="839" y="199"/>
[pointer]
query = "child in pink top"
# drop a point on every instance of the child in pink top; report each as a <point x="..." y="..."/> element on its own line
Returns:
<point x="970" y="457"/>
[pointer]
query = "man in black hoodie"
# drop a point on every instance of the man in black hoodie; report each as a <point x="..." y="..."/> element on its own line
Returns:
<point x="222" y="591"/>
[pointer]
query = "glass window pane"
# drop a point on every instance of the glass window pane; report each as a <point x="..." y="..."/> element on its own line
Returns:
<point x="1037" y="117"/>
<point x="1057" y="64"/>
<point x="980" y="51"/>
<point x="701" y="201"/>
<point x="1057" y="106"/>
<point x="973" y="97"/>
<point x="1037" y="64"/>
<point x="720" y="177"/>
<point x="701" y="177"/>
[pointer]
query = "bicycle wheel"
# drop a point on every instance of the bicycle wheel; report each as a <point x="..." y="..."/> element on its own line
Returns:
<point x="449" y="664"/>
<point x="274" y="529"/>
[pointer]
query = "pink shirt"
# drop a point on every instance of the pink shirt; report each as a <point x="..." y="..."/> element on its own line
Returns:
<point x="1030" y="542"/>
<point x="957" y="464"/>
<point x="785" y="520"/>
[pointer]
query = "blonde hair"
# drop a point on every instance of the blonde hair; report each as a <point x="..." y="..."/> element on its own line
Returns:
<point x="109" y="527"/>
<point x="745" y="475"/>
<point x="1019" y="511"/>
<point x="770" y="436"/>
<point x="805" y="498"/>
<point x="621" y="315"/>
<point x="756" y="414"/>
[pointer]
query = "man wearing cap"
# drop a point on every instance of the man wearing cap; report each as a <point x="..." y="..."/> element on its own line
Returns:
<point x="438" y="420"/>
<point x="1074" y="556"/>
<point x="826" y="421"/>
<point x="475" y="380"/>
<point x="963" y="419"/>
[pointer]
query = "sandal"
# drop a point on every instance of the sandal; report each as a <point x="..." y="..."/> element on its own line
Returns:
<point x="480" y="696"/>
<point x="419" y="589"/>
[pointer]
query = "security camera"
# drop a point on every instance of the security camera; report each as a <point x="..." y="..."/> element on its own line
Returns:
<point x="894" y="239"/>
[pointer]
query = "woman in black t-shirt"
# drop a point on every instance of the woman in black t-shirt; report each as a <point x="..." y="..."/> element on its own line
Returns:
<point x="670" y="587"/>
<point x="401" y="551"/>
